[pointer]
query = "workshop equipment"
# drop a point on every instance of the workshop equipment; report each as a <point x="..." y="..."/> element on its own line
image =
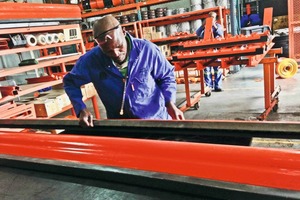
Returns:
<point x="286" y="68"/>
<point x="251" y="49"/>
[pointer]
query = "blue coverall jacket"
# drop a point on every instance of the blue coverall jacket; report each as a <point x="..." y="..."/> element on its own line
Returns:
<point x="150" y="84"/>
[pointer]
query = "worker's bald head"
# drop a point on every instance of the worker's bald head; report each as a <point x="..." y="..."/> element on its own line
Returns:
<point x="111" y="38"/>
<point x="104" y="25"/>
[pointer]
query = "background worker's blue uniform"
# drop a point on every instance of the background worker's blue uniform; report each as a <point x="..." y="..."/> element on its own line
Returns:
<point x="150" y="84"/>
<point x="217" y="83"/>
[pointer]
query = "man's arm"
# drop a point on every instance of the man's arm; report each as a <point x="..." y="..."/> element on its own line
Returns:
<point x="174" y="112"/>
<point x="164" y="72"/>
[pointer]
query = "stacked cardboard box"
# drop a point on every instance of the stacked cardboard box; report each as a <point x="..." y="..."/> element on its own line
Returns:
<point x="60" y="97"/>
<point x="157" y="35"/>
<point x="165" y="49"/>
<point x="88" y="91"/>
<point x="46" y="107"/>
<point x="148" y="32"/>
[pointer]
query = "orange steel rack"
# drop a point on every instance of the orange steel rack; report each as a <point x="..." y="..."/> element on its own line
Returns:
<point x="250" y="50"/>
<point x="185" y="17"/>
<point x="122" y="8"/>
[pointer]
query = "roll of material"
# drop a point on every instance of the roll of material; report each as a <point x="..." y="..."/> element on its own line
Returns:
<point x="128" y="1"/>
<point x="287" y="68"/>
<point x="208" y="4"/>
<point x="196" y="2"/>
<point x="169" y="12"/>
<point x="184" y="27"/>
<point x="55" y="38"/>
<point x="162" y="29"/>
<point x="117" y="2"/>
<point x="61" y="37"/>
<point x="195" y="25"/>
<point x="181" y="10"/>
<point x="49" y="38"/>
<point x="84" y="26"/>
<point x="223" y="3"/>
<point x="92" y="23"/>
<point x="41" y="39"/>
<point x="172" y="29"/>
<point x="196" y="7"/>
<point x="31" y="40"/>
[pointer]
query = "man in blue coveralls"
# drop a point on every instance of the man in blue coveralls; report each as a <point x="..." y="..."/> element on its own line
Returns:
<point x="218" y="32"/>
<point x="132" y="78"/>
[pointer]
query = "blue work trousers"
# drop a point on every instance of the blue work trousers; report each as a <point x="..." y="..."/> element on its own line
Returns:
<point x="211" y="82"/>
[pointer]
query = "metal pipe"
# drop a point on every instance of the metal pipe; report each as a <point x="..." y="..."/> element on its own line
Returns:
<point x="233" y="14"/>
<point x="270" y="168"/>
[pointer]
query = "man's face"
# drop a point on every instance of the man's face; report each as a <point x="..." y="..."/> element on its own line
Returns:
<point x="113" y="44"/>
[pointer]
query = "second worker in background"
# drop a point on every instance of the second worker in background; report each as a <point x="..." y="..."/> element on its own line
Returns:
<point x="218" y="32"/>
<point x="132" y="78"/>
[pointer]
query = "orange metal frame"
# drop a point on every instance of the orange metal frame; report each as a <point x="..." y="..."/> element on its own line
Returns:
<point x="273" y="168"/>
<point x="201" y="60"/>
<point x="38" y="11"/>
<point x="226" y="52"/>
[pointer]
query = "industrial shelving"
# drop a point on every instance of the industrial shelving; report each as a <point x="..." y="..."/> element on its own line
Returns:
<point x="43" y="64"/>
<point x="133" y="26"/>
<point x="46" y="62"/>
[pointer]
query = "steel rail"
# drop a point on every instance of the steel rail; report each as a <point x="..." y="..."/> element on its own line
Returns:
<point x="230" y="128"/>
<point x="222" y="43"/>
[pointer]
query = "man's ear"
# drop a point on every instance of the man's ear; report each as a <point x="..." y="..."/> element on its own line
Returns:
<point x="123" y="30"/>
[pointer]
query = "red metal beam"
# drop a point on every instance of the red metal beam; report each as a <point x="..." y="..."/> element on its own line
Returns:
<point x="273" y="168"/>
<point x="38" y="12"/>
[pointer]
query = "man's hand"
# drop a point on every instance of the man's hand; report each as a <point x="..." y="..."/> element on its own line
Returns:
<point x="174" y="112"/>
<point x="86" y="118"/>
